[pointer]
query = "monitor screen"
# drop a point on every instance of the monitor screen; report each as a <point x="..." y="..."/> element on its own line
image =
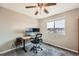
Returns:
<point x="36" y="29"/>
<point x="32" y="30"/>
<point x="29" y="31"/>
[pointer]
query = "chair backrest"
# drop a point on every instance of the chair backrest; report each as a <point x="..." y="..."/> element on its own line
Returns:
<point x="38" y="37"/>
<point x="18" y="41"/>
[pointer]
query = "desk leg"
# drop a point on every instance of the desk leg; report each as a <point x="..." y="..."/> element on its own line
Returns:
<point x="24" y="46"/>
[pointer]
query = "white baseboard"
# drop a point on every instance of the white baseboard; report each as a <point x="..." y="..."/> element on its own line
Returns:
<point x="11" y="49"/>
<point x="67" y="48"/>
<point x="7" y="51"/>
<point x="63" y="48"/>
<point x="47" y="43"/>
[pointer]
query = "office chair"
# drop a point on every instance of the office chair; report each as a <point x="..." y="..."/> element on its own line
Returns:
<point x="36" y="43"/>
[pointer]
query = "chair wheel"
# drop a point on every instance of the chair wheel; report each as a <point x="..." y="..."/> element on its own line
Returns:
<point x="35" y="51"/>
<point x="41" y="49"/>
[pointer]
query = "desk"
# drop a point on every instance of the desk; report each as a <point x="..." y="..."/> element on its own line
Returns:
<point x="26" y="38"/>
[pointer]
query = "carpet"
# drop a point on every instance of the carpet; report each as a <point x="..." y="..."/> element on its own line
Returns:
<point x="47" y="51"/>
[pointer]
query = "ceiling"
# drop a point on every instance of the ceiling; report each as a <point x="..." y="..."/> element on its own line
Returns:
<point x="59" y="8"/>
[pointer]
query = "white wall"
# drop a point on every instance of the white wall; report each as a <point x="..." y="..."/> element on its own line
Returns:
<point x="70" y="40"/>
<point x="11" y="25"/>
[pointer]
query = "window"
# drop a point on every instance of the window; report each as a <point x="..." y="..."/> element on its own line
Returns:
<point x="50" y="26"/>
<point x="57" y="26"/>
<point x="60" y="24"/>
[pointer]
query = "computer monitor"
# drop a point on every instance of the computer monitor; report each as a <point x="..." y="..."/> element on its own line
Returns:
<point x="36" y="29"/>
<point x="30" y="31"/>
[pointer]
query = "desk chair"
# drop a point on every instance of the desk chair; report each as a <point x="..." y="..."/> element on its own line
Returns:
<point x="36" y="43"/>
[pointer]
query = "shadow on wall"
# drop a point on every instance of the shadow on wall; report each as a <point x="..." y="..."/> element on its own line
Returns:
<point x="19" y="32"/>
<point x="8" y="45"/>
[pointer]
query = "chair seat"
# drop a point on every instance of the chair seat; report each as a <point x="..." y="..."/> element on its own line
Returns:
<point x="18" y="41"/>
<point x="35" y="42"/>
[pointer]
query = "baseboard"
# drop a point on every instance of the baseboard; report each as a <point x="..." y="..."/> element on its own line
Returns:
<point x="7" y="50"/>
<point x="44" y="43"/>
<point x="11" y="49"/>
<point x="61" y="47"/>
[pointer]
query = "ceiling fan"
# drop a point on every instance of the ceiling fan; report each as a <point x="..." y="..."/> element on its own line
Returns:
<point x="41" y="6"/>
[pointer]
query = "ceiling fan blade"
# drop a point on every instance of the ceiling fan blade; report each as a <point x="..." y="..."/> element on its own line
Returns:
<point x="46" y="11"/>
<point x="50" y="4"/>
<point x="36" y="12"/>
<point x="38" y="4"/>
<point x="30" y="6"/>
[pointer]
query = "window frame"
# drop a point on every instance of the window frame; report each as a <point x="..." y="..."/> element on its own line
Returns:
<point x="54" y="29"/>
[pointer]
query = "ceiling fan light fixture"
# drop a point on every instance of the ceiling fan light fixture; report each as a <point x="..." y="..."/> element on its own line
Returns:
<point x="36" y="12"/>
<point x="41" y="6"/>
<point x="46" y="11"/>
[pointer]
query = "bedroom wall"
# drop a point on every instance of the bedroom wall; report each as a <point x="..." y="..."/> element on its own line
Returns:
<point x="68" y="41"/>
<point x="12" y="25"/>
